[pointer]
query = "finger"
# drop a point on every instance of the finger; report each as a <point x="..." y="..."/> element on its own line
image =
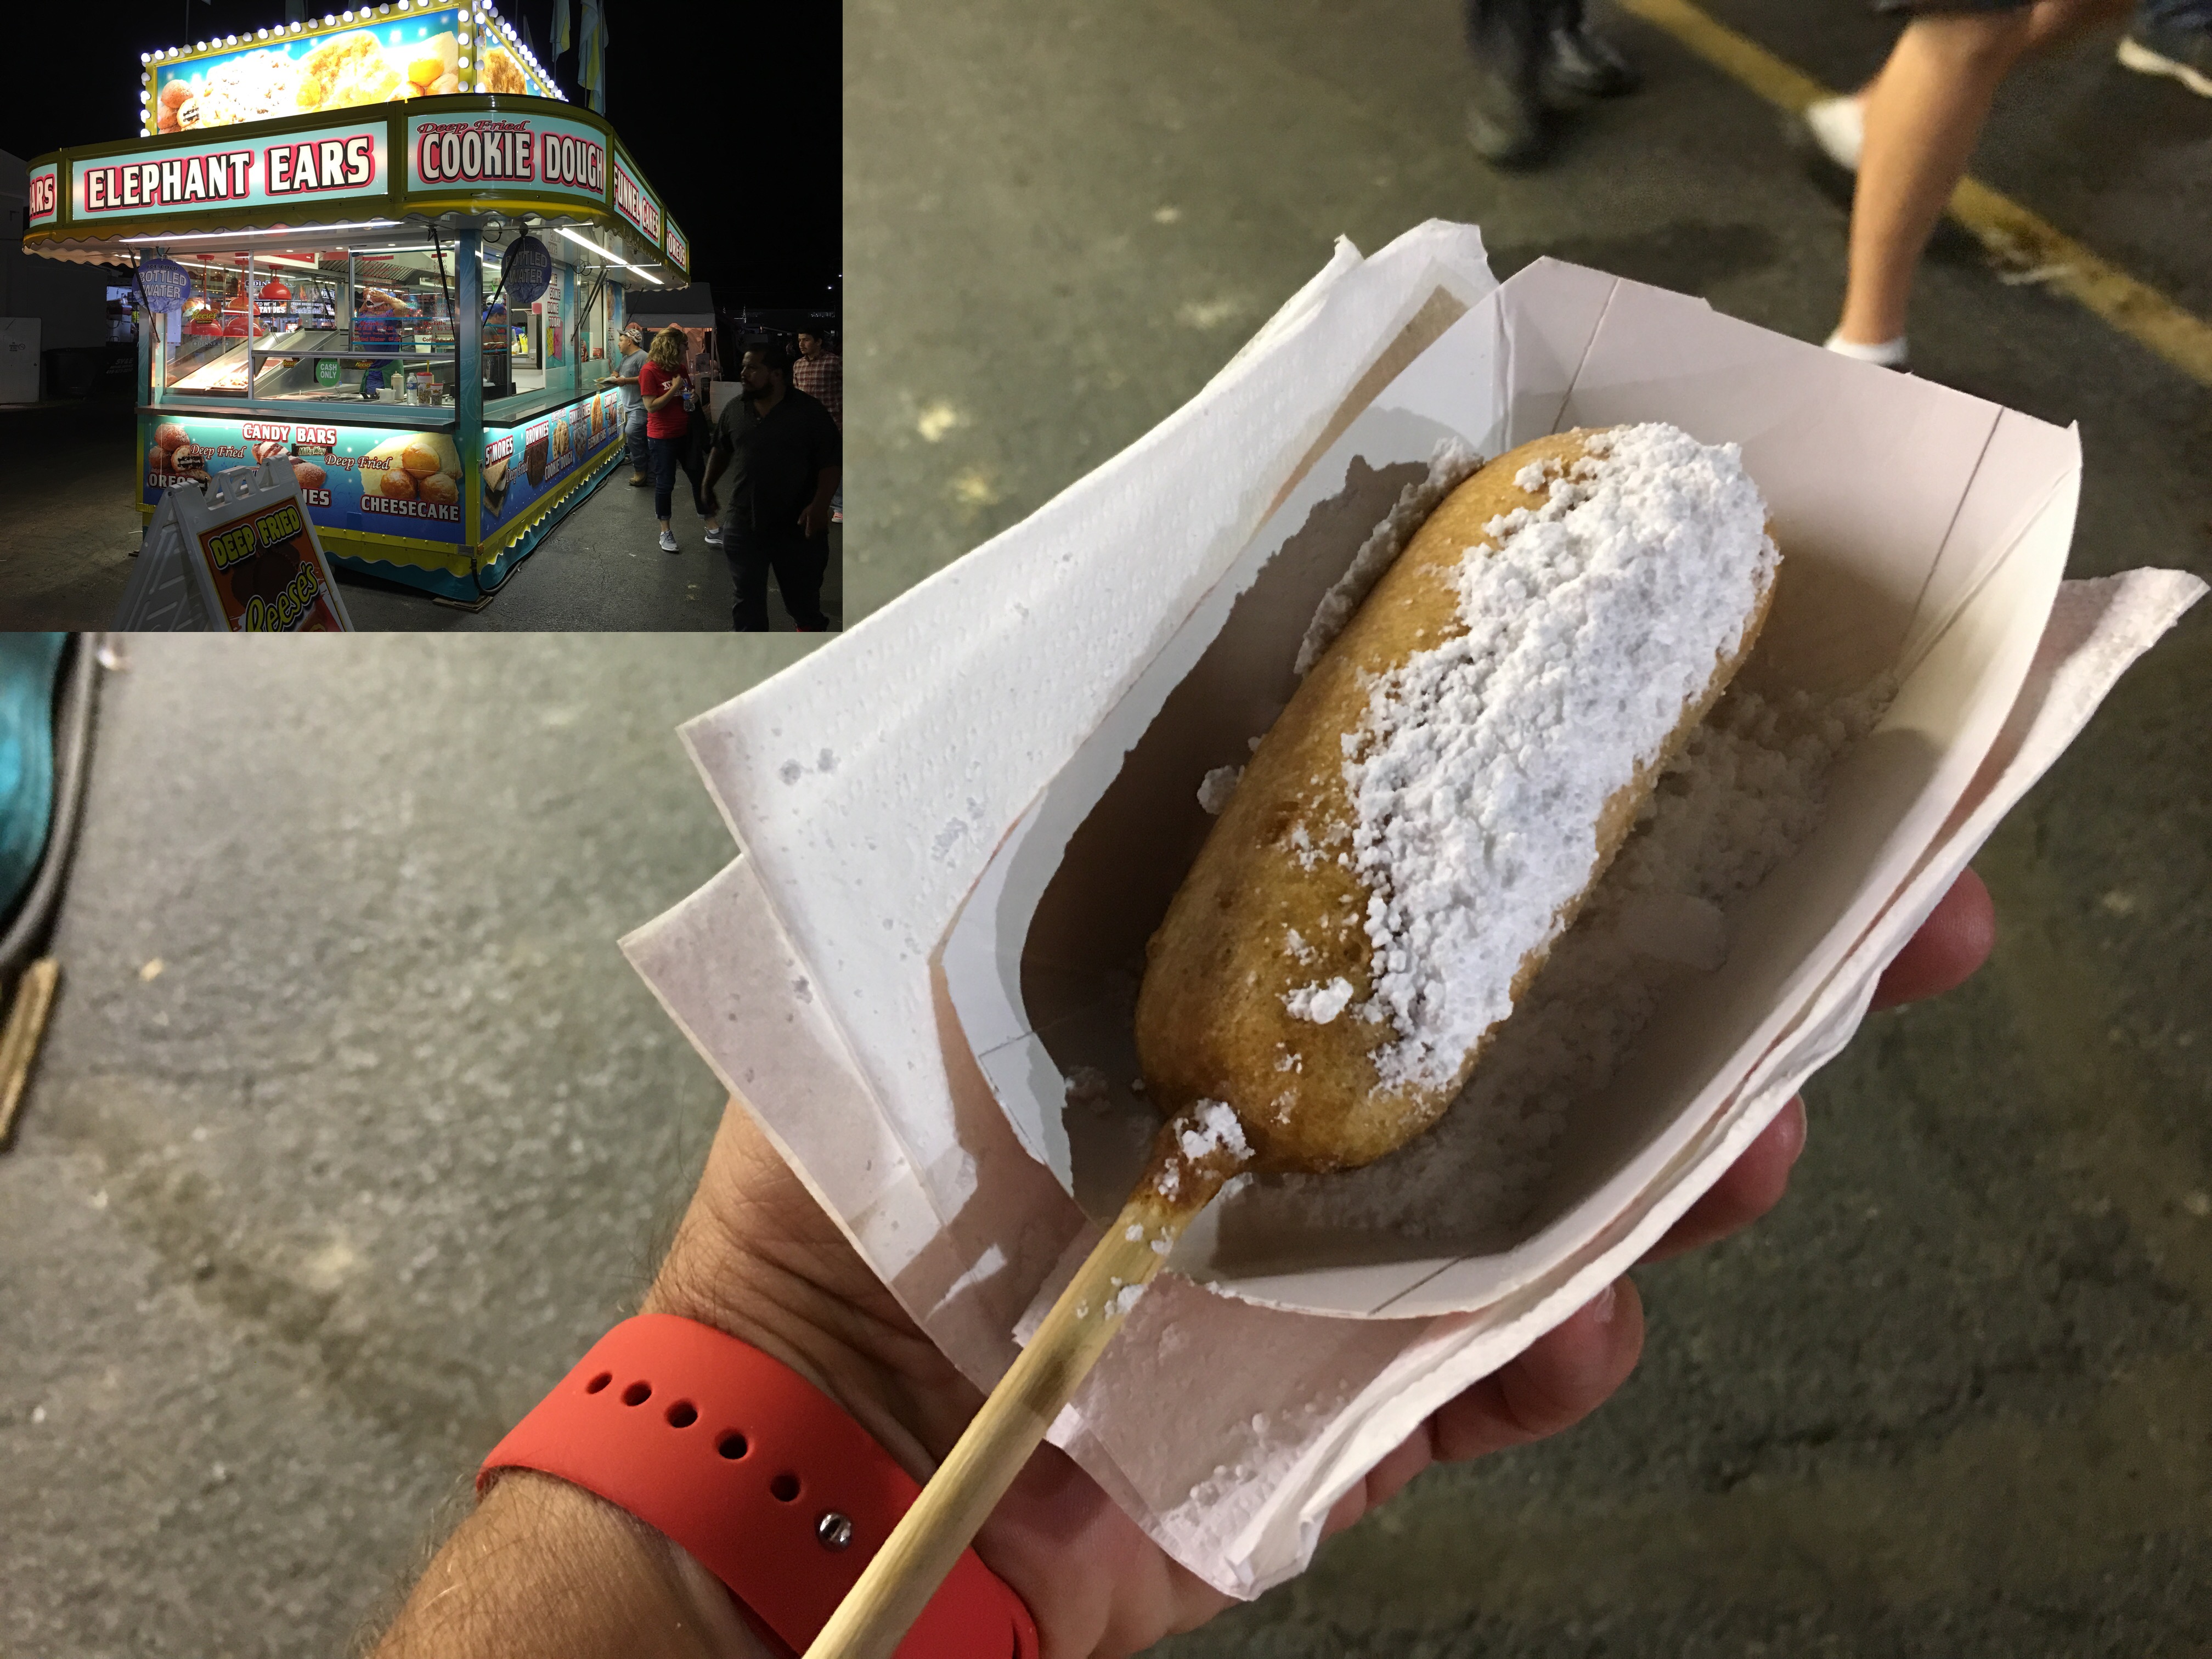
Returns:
<point x="1564" y="1376"/>
<point x="1954" y="940"/>
<point x="1747" y="1190"/>
<point x="1095" y="1583"/>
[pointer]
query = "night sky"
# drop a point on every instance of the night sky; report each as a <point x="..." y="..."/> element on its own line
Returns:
<point x="749" y="169"/>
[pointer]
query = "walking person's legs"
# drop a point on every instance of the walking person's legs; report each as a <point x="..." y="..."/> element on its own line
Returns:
<point x="663" y="451"/>
<point x="749" y="578"/>
<point x="1838" y="125"/>
<point x="694" y="459"/>
<point x="2172" y="37"/>
<point x="799" y="570"/>
<point x="634" y="441"/>
<point x="1923" y="117"/>
<point x="1504" y="116"/>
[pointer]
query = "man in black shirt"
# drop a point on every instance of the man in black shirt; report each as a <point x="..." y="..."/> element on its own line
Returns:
<point x="785" y="449"/>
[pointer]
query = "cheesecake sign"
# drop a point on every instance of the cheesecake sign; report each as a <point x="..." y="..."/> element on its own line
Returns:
<point x="496" y="152"/>
<point x="328" y="162"/>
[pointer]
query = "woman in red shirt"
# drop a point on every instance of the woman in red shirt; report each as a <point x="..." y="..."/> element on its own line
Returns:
<point x="665" y="384"/>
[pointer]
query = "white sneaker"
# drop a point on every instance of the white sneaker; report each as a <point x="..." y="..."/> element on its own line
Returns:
<point x="1889" y="354"/>
<point x="668" y="541"/>
<point x="1839" y="127"/>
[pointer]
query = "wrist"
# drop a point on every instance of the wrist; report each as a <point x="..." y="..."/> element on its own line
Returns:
<point x="756" y="1257"/>
<point x="568" y="1574"/>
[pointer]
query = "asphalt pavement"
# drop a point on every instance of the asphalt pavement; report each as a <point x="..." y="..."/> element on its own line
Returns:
<point x="352" y="1129"/>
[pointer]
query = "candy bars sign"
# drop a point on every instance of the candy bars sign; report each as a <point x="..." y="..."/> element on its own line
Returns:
<point x="632" y="202"/>
<point x="542" y="152"/>
<point x="332" y="162"/>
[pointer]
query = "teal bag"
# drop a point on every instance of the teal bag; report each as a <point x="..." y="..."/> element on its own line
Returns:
<point x="27" y="665"/>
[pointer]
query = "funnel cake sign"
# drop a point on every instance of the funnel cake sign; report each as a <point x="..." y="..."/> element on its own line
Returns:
<point x="501" y="152"/>
<point x="636" y="204"/>
<point x="327" y="163"/>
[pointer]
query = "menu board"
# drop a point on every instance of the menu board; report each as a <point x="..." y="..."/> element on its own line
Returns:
<point x="635" y="201"/>
<point x="486" y="152"/>
<point x="327" y="163"/>
<point x="364" y="479"/>
<point x="365" y="60"/>
<point x="527" y="463"/>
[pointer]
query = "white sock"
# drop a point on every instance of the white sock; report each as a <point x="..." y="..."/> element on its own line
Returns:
<point x="1890" y="354"/>
<point x="1838" y="127"/>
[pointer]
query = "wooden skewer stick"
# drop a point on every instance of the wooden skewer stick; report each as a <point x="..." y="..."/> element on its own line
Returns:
<point x="19" y="1044"/>
<point x="891" y="1594"/>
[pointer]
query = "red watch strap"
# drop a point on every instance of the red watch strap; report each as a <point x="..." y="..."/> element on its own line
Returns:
<point x="748" y="1465"/>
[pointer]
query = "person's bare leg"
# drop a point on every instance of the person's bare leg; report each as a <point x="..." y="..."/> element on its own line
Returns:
<point x="1923" y="118"/>
<point x="2050" y="24"/>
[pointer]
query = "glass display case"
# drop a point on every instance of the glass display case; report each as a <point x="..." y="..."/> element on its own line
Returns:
<point x="368" y="323"/>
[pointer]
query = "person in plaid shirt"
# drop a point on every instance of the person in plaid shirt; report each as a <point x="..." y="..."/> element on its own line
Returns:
<point x="820" y="373"/>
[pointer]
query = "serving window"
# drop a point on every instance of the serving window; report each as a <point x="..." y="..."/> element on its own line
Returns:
<point x="332" y="325"/>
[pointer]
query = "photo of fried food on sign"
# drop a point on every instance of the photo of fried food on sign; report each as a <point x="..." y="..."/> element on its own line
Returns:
<point x="502" y="73"/>
<point x="376" y="62"/>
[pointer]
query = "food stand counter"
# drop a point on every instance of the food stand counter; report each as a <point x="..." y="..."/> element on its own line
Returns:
<point x="415" y="299"/>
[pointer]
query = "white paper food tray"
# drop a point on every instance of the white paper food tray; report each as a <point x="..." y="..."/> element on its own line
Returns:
<point x="906" y="796"/>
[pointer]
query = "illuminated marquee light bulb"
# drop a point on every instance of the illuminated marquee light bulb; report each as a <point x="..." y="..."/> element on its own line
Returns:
<point x="261" y="34"/>
<point x="145" y="56"/>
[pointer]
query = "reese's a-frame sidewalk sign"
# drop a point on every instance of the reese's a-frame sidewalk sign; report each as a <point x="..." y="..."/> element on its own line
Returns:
<point x="236" y="552"/>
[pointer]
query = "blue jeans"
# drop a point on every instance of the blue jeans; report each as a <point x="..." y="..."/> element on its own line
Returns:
<point x="633" y="436"/>
<point x="663" y="451"/>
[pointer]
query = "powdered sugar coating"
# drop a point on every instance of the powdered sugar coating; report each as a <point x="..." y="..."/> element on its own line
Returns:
<point x="1746" y="791"/>
<point x="1319" y="1003"/>
<point x="1215" y="788"/>
<point x="1213" y="1128"/>
<point x="1481" y="767"/>
<point x="1450" y="464"/>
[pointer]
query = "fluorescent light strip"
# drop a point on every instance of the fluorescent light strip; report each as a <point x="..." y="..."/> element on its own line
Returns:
<point x="282" y="230"/>
<point x="612" y="257"/>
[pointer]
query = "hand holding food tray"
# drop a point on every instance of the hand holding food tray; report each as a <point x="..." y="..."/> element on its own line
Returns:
<point x="932" y="935"/>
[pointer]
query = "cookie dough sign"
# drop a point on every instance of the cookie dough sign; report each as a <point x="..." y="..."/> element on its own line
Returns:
<point x="494" y="152"/>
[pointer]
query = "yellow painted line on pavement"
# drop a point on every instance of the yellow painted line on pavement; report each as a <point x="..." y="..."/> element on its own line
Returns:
<point x="2017" y="238"/>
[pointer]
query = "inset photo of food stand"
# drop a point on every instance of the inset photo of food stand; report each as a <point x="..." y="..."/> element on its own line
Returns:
<point x="388" y="248"/>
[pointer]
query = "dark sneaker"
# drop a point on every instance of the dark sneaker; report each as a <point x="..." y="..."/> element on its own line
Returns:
<point x="2184" y="54"/>
<point x="1584" y="65"/>
<point x="1505" y="120"/>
